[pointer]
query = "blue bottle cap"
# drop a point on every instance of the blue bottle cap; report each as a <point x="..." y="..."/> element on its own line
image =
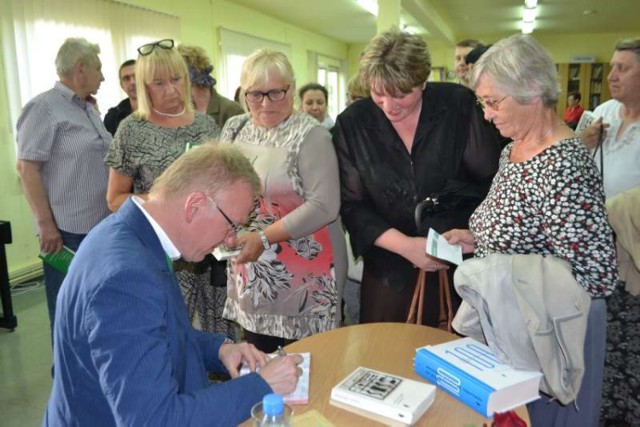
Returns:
<point x="272" y="405"/>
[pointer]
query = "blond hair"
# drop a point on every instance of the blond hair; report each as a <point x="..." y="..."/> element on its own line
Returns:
<point x="194" y="56"/>
<point x="395" y="62"/>
<point x="257" y="68"/>
<point x="148" y="67"/>
<point x="356" y="88"/>
<point x="209" y="168"/>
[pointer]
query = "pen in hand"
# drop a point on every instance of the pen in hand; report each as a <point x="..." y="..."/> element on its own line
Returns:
<point x="281" y="351"/>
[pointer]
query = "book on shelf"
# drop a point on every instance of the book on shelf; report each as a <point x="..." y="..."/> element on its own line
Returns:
<point x="58" y="260"/>
<point x="383" y="397"/>
<point x="299" y="396"/>
<point x="597" y="72"/>
<point x="470" y="372"/>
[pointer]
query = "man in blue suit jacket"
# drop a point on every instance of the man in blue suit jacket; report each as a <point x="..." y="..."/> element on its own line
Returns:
<point x="125" y="352"/>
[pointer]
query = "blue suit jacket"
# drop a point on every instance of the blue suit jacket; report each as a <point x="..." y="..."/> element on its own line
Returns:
<point x="125" y="352"/>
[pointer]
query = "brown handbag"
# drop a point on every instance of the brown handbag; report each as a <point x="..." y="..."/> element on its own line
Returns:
<point x="445" y="305"/>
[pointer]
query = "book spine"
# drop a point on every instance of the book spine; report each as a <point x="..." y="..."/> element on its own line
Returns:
<point x="454" y="381"/>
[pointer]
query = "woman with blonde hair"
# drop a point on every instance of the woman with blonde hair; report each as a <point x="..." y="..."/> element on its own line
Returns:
<point x="163" y="128"/>
<point x="287" y="281"/>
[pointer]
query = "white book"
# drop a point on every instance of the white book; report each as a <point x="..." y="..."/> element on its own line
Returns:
<point x="470" y="372"/>
<point x="390" y="396"/>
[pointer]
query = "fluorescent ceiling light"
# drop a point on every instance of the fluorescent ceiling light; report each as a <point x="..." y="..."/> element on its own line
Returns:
<point x="527" y="27"/>
<point x="529" y="14"/>
<point x="530" y="3"/>
<point x="370" y="6"/>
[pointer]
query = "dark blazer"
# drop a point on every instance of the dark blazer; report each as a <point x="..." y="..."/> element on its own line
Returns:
<point x="124" y="344"/>
<point x="117" y="114"/>
<point x="381" y="182"/>
<point x="222" y="109"/>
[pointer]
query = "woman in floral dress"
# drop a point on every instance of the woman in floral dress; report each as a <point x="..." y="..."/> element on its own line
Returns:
<point x="287" y="281"/>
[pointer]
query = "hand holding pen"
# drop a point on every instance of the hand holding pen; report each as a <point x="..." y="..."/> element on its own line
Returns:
<point x="282" y="372"/>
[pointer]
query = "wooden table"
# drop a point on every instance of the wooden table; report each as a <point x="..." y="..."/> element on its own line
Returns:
<point x="387" y="347"/>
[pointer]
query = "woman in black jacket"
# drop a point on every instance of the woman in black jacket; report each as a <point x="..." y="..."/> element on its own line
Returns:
<point x="411" y="140"/>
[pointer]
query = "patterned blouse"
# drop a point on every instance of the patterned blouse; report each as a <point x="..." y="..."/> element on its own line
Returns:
<point x="143" y="150"/>
<point x="294" y="289"/>
<point x="552" y="204"/>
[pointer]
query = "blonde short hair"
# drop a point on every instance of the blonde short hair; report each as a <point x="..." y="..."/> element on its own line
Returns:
<point x="395" y="62"/>
<point x="257" y="68"/>
<point x="356" y="89"/>
<point x="147" y="68"/>
<point x="209" y="168"/>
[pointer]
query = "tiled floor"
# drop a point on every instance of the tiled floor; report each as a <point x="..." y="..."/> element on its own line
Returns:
<point x="25" y="361"/>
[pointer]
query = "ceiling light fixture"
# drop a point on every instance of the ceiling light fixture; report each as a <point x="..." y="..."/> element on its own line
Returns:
<point x="370" y="6"/>
<point x="527" y="27"/>
<point x="529" y="16"/>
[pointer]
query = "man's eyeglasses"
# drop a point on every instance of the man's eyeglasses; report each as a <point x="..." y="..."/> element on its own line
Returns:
<point x="146" y="49"/>
<point x="235" y="228"/>
<point x="491" y="103"/>
<point x="274" y="95"/>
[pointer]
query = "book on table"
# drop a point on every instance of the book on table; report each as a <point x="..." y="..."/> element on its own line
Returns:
<point x="58" y="260"/>
<point x="469" y="371"/>
<point x="300" y="396"/>
<point x="383" y="397"/>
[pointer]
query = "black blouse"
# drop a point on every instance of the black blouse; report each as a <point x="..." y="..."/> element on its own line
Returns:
<point x="381" y="182"/>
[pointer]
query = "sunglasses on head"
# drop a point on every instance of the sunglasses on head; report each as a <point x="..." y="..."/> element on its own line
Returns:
<point x="146" y="49"/>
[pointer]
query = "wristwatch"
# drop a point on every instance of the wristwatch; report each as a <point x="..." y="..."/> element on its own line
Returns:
<point x="265" y="241"/>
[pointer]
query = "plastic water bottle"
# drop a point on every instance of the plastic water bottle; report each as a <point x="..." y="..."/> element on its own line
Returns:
<point x="273" y="410"/>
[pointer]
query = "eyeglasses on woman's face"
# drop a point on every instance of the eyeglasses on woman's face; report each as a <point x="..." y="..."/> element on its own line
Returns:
<point x="274" y="95"/>
<point x="146" y="49"/>
<point x="491" y="103"/>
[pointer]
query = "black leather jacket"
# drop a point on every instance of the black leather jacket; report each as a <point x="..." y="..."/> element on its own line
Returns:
<point x="381" y="182"/>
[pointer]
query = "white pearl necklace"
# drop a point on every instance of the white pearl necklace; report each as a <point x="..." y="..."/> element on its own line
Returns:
<point x="170" y="114"/>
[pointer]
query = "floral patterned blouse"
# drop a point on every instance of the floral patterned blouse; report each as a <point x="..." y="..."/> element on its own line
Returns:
<point x="552" y="204"/>
<point x="294" y="289"/>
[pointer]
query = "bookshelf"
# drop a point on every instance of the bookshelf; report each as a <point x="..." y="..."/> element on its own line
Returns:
<point x="588" y="79"/>
<point x="598" y="86"/>
<point x="438" y="74"/>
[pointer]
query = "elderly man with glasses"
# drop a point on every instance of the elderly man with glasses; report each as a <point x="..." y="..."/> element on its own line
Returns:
<point x="124" y="349"/>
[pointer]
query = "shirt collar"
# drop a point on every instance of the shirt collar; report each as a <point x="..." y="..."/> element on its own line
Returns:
<point x="168" y="246"/>
<point x="69" y="94"/>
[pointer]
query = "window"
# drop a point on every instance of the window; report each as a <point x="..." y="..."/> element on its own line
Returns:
<point x="330" y="74"/>
<point x="234" y="49"/>
<point x="33" y="31"/>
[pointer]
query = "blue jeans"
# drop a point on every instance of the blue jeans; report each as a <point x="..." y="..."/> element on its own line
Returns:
<point x="53" y="278"/>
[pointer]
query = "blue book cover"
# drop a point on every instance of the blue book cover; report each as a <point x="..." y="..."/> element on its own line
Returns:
<point x="469" y="371"/>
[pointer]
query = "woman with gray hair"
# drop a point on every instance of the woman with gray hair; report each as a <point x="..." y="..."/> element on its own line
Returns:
<point x="287" y="281"/>
<point x="411" y="141"/>
<point x="546" y="199"/>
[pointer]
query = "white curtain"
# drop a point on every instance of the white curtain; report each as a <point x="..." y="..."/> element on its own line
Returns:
<point x="234" y="49"/>
<point x="33" y="30"/>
